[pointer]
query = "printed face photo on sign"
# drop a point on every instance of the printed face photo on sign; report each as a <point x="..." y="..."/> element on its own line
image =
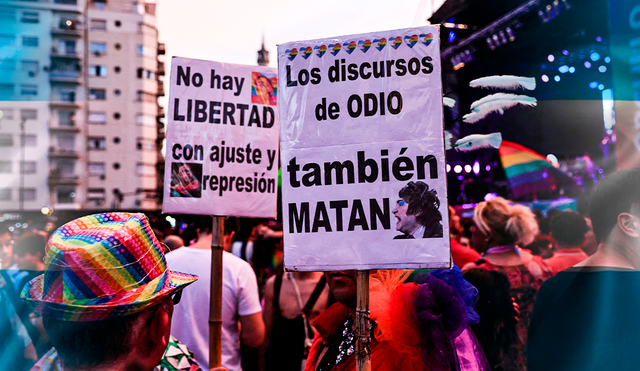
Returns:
<point x="264" y="88"/>
<point x="417" y="212"/>
<point x="186" y="180"/>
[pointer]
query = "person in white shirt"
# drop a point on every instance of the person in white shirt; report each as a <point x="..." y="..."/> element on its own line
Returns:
<point x="241" y="307"/>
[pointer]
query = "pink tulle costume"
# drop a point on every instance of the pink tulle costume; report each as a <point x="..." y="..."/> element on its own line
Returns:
<point x="416" y="327"/>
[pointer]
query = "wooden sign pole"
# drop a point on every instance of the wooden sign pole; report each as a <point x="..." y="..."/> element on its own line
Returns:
<point x="215" y="306"/>
<point x="363" y="328"/>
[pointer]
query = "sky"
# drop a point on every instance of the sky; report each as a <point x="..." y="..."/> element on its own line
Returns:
<point x="232" y="31"/>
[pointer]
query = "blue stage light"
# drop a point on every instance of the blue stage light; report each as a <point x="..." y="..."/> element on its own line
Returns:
<point x="594" y="56"/>
<point x="593" y="84"/>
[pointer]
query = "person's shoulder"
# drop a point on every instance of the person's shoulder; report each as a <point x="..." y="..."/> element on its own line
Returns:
<point x="235" y="263"/>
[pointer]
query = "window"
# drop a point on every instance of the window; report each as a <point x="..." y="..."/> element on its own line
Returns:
<point x="143" y="96"/>
<point x="143" y="169"/>
<point x="65" y="195"/>
<point x="5" y="167"/>
<point x="7" y="64"/>
<point x="28" y="194"/>
<point x="7" y="15"/>
<point x="5" y="194"/>
<point x="97" y="168"/>
<point x="27" y="167"/>
<point x="7" y="113"/>
<point x="29" y="66"/>
<point x="97" y="143"/>
<point x="68" y="2"/>
<point x="99" y="4"/>
<point x="98" y="48"/>
<point x="68" y="96"/>
<point x="147" y="74"/>
<point x="145" y="144"/>
<point x="146" y="51"/>
<point x="97" y="70"/>
<point x="29" y="89"/>
<point x="6" y="90"/>
<point x="29" y="114"/>
<point x="146" y="120"/>
<point x="99" y="24"/>
<point x="66" y="169"/>
<point x="6" y="140"/>
<point x="30" y="140"/>
<point x="97" y="94"/>
<point x="66" y="118"/>
<point x="30" y="17"/>
<point x="97" y="117"/>
<point x="95" y="194"/>
<point x="6" y="40"/>
<point x="29" y="41"/>
<point x="68" y="47"/>
<point x="66" y="142"/>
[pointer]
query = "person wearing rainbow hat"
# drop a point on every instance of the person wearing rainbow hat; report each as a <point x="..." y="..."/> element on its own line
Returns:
<point x="107" y="297"/>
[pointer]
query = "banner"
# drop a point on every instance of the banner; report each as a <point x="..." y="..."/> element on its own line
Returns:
<point x="222" y="140"/>
<point x="363" y="164"/>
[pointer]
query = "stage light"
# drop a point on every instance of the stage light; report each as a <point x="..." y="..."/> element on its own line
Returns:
<point x="593" y="84"/>
<point x="599" y="39"/>
<point x="452" y="36"/>
<point x="554" y="160"/>
<point x="457" y="169"/>
<point x="601" y="87"/>
<point x="607" y="59"/>
<point x="563" y="69"/>
<point x="448" y="168"/>
<point x="511" y="34"/>
<point x="544" y="78"/>
<point x="602" y="69"/>
<point x="572" y="69"/>
<point x="556" y="78"/>
<point x="476" y="167"/>
<point x="487" y="168"/>
<point x="565" y="52"/>
<point x="587" y="64"/>
<point x="460" y="177"/>
<point x="467" y="168"/>
<point x="490" y="196"/>
<point x="551" y="58"/>
<point x="595" y="56"/>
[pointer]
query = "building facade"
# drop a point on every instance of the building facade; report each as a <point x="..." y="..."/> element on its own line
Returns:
<point x="81" y="86"/>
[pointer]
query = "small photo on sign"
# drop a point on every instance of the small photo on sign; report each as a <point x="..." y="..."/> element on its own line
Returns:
<point x="417" y="212"/>
<point x="264" y="88"/>
<point x="186" y="179"/>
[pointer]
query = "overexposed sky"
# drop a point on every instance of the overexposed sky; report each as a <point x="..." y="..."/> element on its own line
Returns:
<point x="231" y="30"/>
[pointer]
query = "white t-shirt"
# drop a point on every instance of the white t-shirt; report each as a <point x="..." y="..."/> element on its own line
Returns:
<point x="191" y="316"/>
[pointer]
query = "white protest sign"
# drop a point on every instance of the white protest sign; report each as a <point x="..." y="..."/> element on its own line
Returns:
<point x="222" y="139"/>
<point x="363" y="163"/>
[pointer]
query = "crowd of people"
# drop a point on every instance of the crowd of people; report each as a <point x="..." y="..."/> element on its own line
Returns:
<point x="114" y="291"/>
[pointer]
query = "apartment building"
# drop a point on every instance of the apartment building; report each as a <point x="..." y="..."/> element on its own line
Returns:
<point x="81" y="86"/>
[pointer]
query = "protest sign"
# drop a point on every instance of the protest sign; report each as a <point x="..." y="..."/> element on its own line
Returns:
<point x="363" y="164"/>
<point x="222" y="139"/>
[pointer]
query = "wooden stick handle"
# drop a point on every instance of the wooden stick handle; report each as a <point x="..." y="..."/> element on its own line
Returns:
<point x="363" y="327"/>
<point x="215" y="306"/>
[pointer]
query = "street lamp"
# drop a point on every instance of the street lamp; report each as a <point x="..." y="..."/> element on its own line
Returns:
<point x="22" y="164"/>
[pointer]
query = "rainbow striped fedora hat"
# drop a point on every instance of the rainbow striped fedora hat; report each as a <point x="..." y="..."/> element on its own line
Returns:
<point x="103" y="266"/>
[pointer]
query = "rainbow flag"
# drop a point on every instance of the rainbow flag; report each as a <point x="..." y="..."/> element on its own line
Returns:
<point x="530" y="172"/>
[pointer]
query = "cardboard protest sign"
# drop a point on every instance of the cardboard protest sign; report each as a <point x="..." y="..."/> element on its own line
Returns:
<point x="363" y="164"/>
<point x="222" y="139"/>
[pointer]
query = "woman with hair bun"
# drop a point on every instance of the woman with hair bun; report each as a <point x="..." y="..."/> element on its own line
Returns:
<point x="499" y="228"/>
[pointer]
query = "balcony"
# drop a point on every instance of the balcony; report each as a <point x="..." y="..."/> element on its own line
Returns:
<point x="68" y="54"/>
<point x="69" y="77"/>
<point x="61" y="153"/>
<point x="64" y="129"/>
<point x="161" y="49"/>
<point x="160" y="88"/>
<point x="55" y="179"/>
<point x="160" y="71"/>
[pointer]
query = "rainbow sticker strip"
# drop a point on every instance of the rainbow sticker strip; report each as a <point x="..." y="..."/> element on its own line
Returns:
<point x="363" y="45"/>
